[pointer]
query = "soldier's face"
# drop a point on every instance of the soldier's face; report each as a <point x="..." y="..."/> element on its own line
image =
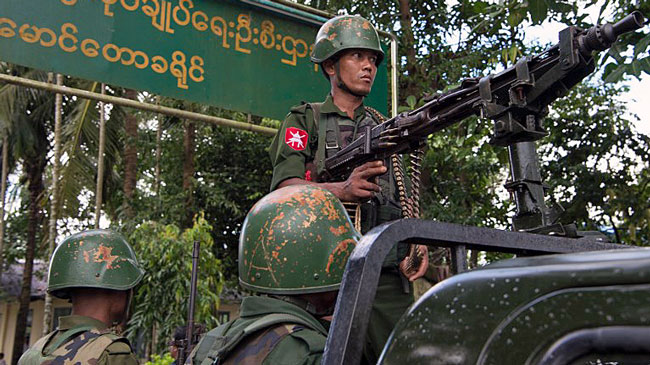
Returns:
<point x="357" y="69"/>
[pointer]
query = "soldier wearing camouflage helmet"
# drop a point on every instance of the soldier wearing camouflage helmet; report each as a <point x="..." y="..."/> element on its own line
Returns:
<point x="348" y="50"/>
<point x="293" y="248"/>
<point x="97" y="270"/>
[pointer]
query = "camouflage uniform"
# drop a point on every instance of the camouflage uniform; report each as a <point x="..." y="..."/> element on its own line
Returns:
<point x="257" y="338"/>
<point x="94" y="259"/>
<point x="80" y="340"/>
<point x="294" y="244"/>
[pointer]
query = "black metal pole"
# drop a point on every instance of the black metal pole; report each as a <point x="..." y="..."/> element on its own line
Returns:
<point x="190" y="317"/>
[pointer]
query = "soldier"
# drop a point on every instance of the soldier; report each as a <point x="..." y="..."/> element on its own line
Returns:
<point x="97" y="271"/>
<point x="348" y="50"/>
<point x="294" y="245"/>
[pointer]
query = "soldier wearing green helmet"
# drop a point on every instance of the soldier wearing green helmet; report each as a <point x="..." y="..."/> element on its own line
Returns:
<point x="293" y="248"/>
<point x="97" y="270"/>
<point x="348" y="50"/>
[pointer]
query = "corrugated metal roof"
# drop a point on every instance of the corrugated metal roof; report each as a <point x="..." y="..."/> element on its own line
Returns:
<point x="11" y="281"/>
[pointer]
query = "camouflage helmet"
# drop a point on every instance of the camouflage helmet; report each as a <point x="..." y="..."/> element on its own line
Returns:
<point x="345" y="32"/>
<point x="295" y="240"/>
<point x="95" y="258"/>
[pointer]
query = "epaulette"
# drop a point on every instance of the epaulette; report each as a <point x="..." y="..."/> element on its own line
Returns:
<point x="300" y="109"/>
<point x="314" y="340"/>
<point x="119" y="347"/>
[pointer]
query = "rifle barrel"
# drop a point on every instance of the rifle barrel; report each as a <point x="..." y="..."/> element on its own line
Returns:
<point x="189" y="337"/>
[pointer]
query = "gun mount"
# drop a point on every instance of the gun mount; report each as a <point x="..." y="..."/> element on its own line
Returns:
<point x="516" y="99"/>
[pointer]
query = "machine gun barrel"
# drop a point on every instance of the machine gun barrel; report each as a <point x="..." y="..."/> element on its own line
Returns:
<point x="515" y="98"/>
<point x="601" y="37"/>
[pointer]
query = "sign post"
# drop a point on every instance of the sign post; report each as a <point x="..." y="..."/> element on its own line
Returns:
<point x="237" y="55"/>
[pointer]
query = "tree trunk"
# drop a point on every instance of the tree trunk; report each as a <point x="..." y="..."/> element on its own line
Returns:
<point x="130" y="156"/>
<point x="3" y="191"/>
<point x="188" y="172"/>
<point x="34" y="167"/>
<point x="99" y="190"/>
<point x="408" y="44"/>
<point x="47" y="310"/>
<point x="156" y="183"/>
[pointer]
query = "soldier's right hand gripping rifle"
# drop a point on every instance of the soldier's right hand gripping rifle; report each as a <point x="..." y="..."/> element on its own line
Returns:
<point x="516" y="99"/>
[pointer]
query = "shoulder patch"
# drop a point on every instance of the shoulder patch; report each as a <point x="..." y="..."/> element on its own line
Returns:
<point x="296" y="138"/>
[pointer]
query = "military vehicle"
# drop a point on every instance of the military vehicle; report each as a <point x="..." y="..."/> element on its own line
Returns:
<point x="569" y="297"/>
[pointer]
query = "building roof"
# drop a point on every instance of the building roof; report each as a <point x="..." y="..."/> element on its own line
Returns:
<point x="12" y="279"/>
<point x="231" y="294"/>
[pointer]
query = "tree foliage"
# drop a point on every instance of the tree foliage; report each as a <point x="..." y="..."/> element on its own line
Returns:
<point x="161" y="300"/>
<point x="598" y="164"/>
<point x="594" y="160"/>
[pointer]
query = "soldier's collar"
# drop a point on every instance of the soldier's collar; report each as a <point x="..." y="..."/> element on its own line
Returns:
<point x="72" y="321"/>
<point x="305" y="305"/>
<point x="329" y="107"/>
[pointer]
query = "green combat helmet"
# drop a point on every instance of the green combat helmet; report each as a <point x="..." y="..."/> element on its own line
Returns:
<point x="345" y="32"/>
<point x="93" y="259"/>
<point x="295" y="240"/>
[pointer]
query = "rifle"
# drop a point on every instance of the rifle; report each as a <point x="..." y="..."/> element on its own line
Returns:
<point x="191" y="336"/>
<point x="516" y="99"/>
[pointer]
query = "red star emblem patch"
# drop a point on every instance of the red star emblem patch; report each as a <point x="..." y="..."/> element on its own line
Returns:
<point x="295" y="138"/>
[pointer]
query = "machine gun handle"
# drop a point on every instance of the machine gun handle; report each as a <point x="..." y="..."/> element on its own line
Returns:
<point x="601" y="37"/>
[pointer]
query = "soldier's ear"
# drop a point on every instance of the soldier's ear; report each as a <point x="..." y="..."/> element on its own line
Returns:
<point x="328" y="68"/>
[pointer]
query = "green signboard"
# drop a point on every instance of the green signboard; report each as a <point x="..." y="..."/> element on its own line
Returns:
<point x="240" y="55"/>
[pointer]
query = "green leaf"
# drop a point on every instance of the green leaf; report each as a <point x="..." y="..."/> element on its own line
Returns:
<point x="514" y="50"/>
<point x="558" y="6"/>
<point x="411" y="101"/>
<point x="479" y="7"/>
<point x="538" y="10"/>
<point x="616" y="75"/>
<point x="615" y="52"/>
<point x="515" y="17"/>
<point x="642" y="45"/>
<point x="609" y="68"/>
<point x="644" y="64"/>
<point x="635" y="69"/>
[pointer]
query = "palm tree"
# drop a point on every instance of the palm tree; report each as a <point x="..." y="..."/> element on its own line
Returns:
<point x="130" y="156"/>
<point x="28" y="114"/>
<point x="188" y="172"/>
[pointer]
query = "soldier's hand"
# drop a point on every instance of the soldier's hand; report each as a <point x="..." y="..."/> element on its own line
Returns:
<point x="414" y="273"/>
<point x="361" y="184"/>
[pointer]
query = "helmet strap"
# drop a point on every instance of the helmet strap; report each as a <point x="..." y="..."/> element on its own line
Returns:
<point x="341" y="85"/>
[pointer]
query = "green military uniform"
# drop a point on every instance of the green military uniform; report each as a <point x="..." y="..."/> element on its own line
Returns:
<point x="288" y="162"/>
<point x="269" y="331"/>
<point x="328" y="132"/>
<point x="80" y="340"/>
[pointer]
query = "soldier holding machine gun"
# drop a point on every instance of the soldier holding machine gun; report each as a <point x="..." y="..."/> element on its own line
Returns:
<point x="344" y="146"/>
<point x="348" y="50"/>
